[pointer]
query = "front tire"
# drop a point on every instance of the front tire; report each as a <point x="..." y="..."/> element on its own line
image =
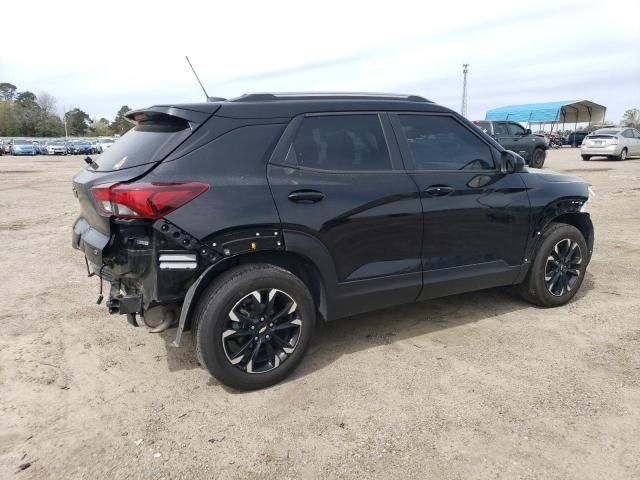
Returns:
<point x="558" y="269"/>
<point x="537" y="158"/>
<point x="586" y="157"/>
<point x="253" y="325"/>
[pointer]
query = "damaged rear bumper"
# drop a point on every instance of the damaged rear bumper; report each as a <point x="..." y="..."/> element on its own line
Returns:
<point x="149" y="265"/>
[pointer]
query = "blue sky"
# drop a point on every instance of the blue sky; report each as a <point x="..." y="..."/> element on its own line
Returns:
<point x="99" y="58"/>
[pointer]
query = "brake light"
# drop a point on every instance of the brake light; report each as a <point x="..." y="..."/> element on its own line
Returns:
<point x="150" y="200"/>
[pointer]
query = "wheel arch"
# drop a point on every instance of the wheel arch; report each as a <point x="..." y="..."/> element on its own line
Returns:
<point x="299" y="265"/>
<point x="582" y="222"/>
<point x="564" y="211"/>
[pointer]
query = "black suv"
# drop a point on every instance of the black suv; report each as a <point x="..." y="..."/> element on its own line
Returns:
<point x="513" y="136"/>
<point x="248" y="221"/>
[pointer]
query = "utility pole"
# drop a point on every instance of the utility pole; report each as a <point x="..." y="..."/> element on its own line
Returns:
<point x="465" y="70"/>
<point x="64" y="119"/>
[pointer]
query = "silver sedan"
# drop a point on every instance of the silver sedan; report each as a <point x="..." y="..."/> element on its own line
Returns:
<point x="618" y="143"/>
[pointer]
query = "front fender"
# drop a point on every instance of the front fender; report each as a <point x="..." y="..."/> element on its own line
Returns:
<point x="563" y="211"/>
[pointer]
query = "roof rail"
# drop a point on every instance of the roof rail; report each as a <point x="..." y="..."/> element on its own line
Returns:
<point x="259" y="97"/>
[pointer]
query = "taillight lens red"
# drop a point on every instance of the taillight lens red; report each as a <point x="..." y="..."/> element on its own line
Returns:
<point x="151" y="200"/>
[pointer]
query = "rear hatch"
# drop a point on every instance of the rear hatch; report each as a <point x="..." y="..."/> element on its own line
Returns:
<point x="159" y="130"/>
<point x="599" y="140"/>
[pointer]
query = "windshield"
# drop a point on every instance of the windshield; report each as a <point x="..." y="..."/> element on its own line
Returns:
<point x="146" y="143"/>
<point x="56" y="144"/>
<point x="21" y="142"/>
<point x="106" y="140"/>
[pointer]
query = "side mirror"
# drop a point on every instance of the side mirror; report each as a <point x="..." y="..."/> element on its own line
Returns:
<point x="511" y="162"/>
<point x="528" y="131"/>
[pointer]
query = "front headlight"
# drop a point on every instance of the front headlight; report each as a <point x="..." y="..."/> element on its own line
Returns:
<point x="586" y="205"/>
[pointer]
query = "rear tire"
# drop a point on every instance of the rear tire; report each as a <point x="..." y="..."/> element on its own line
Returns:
<point x="537" y="158"/>
<point x="558" y="269"/>
<point x="586" y="157"/>
<point x="623" y="155"/>
<point x="253" y="325"/>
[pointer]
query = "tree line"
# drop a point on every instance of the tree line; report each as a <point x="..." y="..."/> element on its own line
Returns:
<point x="25" y="114"/>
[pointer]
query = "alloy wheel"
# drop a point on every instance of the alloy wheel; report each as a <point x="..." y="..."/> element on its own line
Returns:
<point x="562" y="269"/>
<point x="623" y="154"/>
<point x="262" y="330"/>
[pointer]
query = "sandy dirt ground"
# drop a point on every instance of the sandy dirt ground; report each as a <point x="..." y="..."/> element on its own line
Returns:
<point x="479" y="385"/>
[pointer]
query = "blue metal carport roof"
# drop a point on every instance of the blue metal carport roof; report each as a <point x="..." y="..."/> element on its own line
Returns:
<point x="567" y="111"/>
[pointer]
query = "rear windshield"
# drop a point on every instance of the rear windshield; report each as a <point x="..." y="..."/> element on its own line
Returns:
<point x="21" y="142"/>
<point x="484" y="126"/>
<point x="607" y="131"/>
<point x="148" y="142"/>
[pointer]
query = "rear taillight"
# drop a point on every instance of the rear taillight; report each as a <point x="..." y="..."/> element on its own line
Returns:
<point x="614" y="141"/>
<point x="144" y="200"/>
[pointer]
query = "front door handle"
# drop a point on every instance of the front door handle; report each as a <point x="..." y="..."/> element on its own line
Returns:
<point x="306" y="196"/>
<point x="438" y="190"/>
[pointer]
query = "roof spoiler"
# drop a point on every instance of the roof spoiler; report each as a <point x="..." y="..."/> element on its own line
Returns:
<point x="159" y="112"/>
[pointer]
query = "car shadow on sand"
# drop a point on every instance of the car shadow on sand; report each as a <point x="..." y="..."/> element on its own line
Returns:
<point x="382" y="327"/>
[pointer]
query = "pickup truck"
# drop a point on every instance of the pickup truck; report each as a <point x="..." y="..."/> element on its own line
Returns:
<point x="513" y="136"/>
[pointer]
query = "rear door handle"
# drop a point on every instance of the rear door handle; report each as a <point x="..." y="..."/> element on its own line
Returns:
<point x="438" y="190"/>
<point x="306" y="196"/>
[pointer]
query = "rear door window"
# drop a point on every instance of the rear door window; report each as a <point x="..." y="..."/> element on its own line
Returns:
<point x="340" y="143"/>
<point x="147" y="142"/>
<point x="439" y="142"/>
<point x="484" y="126"/>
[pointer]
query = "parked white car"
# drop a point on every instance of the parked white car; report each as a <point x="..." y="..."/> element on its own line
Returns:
<point x="618" y="143"/>
<point x="56" y="148"/>
<point x="104" y="143"/>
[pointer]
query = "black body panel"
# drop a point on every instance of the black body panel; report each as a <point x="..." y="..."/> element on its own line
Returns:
<point x="370" y="223"/>
<point x="234" y="165"/>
